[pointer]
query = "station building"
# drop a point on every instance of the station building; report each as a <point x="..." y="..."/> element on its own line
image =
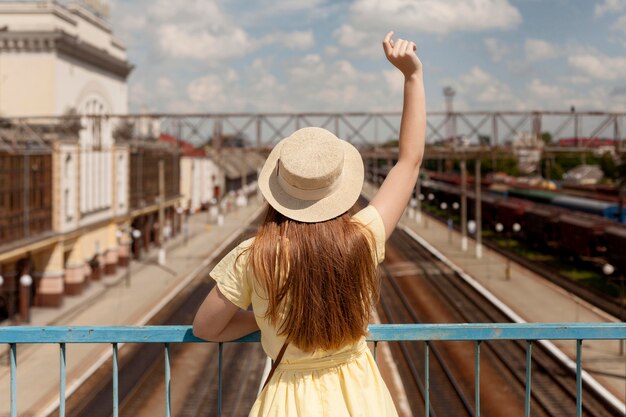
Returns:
<point x="72" y="183"/>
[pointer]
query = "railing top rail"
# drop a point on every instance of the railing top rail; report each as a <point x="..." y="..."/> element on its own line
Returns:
<point x="321" y="114"/>
<point x="380" y="332"/>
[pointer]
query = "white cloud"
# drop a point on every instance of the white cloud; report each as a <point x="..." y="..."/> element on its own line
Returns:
<point x="543" y="91"/>
<point x="483" y="88"/>
<point x="369" y="20"/>
<point x="497" y="49"/>
<point x="599" y="66"/>
<point x="394" y="79"/>
<point x="131" y="22"/>
<point x="609" y="6"/>
<point x="619" y="25"/>
<point x="435" y="16"/>
<point x="194" y="11"/>
<point x="292" y="40"/>
<point x="539" y="50"/>
<point x="177" y="41"/>
<point x="206" y="89"/>
<point x="575" y="79"/>
<point x="358" y="42"/>
<point x="165" y="86"/>
<point x="619" y="91"/>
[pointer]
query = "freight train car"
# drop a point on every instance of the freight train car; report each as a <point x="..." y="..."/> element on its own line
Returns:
<point x="615" y="241"/>
<point x="540" y="226"/>
<point x="510" y="211"/>
<point x="582" y="236"/>
<point x="586" y="205"/>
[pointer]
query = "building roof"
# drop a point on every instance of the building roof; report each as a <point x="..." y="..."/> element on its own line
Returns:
<point x="235" y="162"/>
<point x="186" y="148"/>
<point x="587" y="142"/>
<point x="584" y="174"/>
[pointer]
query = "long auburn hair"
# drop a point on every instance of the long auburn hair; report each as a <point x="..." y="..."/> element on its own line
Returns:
<point x="320" y="279"/>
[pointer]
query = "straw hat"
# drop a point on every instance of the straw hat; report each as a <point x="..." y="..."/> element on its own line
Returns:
<point x="312" y="176"/>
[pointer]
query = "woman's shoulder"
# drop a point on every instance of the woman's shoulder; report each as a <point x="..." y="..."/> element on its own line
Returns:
<point x="246" y="244"/>
<point x="369" y="216"/>
<point x="371" y="219"/>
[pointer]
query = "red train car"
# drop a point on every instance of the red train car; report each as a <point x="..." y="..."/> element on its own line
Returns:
<point x="582" y="235"/>
<point x="615" y="241"/>
<point x="510" y="211"/>
<point x="541" y="225"/>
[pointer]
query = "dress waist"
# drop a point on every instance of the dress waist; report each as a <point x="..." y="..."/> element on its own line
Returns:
<point x="330" y="361"/>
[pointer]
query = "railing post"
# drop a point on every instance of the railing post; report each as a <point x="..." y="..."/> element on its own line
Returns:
<point x="13" y="360"/>
<point x="579" y="379"/>
<point x="168" y="407"/>
<point x="427" y="379"/>
<point x="62" y="386"/>
<point x="477" y="383"/>
<point x="115" y="382"/>
<point x="529" y="349"/>
<point x="219" y="379"/>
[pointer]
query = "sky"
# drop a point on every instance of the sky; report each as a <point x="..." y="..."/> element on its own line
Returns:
<point x="322" y="55"/>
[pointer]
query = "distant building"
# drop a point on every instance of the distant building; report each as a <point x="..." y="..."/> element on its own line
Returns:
<point x="201" y="179"/>
<point x="583" y="175"/>
<point x="72" y="187"/>
<point x="56" y="58"/>
<point x="599" y="146"/>
<point x="527" y="149"/>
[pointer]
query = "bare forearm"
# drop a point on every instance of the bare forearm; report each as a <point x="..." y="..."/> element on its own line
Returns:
<point x="241" y="324"/>
<point x="413" y="123"/>
<point x="218" y="319"/>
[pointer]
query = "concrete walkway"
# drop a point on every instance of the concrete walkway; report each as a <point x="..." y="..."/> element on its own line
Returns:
<point x="530" y="296"/>
<point x="112" y="303"/>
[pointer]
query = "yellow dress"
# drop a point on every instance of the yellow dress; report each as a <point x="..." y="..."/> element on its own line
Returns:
<point x="341" y="383"/>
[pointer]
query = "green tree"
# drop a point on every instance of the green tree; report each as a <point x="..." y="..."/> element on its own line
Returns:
<point x="546" y="137"/>
<point x="484" y="140"/>
<point x="608" y="166"/>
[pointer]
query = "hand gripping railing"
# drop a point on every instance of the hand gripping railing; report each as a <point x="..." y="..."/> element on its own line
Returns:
<point x="378" y="333"/>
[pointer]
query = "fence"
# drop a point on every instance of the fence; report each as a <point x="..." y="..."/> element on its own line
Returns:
<point x="166" y="335"/>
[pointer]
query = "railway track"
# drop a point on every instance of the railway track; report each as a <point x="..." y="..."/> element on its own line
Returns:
<point x="141" y="367"/>
<point x="595" y="297"/>
<point x="194" y="366"/>
<point x="554" y="387"/>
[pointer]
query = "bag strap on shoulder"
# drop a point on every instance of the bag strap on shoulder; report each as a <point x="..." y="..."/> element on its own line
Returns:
<point x="275" y="364"/>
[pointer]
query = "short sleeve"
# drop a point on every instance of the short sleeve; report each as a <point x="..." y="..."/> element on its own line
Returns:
<point x="231" y="276"/>
<point x="371" y="219"/>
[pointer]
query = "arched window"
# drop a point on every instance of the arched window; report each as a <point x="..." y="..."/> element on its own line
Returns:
<point x="93" y="108"/>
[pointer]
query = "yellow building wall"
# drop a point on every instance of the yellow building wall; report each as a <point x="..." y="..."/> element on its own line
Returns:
<point x="27" y="84"/>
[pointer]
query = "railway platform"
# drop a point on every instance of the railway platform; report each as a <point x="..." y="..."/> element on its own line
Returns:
<point x="113" y="302"/>
<point x="529" y="297"/>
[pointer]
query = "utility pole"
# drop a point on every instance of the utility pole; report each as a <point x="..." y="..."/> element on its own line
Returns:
<point x="161" y="212"/>
<point x="463" y="204"/>
<point x="478" y="211"/>
<point x="448" y="93"/>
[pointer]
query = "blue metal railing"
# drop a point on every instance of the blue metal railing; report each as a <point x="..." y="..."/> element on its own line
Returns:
<point x="378" y="333"/>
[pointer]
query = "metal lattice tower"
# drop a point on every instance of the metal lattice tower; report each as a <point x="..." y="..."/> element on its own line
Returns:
<point x="449" y="93"/>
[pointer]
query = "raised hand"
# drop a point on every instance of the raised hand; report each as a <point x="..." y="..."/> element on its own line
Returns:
<point x="401" y="54"/>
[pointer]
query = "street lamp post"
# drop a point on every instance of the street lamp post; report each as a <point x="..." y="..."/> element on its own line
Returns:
<point x="25" y="282"/>
<point x="136" y="234"/>
<point x="181" y="212"/>
<point x="507" y="267"/>
<point x="421" y="197"/>
<point x="516" y="228"/>
<point x="608" y="270"/>
<point x="450" y="222"/>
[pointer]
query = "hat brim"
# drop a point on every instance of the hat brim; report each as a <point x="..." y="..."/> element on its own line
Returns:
<point x="312" y="211"/>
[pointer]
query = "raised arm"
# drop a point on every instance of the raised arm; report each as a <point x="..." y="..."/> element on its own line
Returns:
<point x="395" y="192"/>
